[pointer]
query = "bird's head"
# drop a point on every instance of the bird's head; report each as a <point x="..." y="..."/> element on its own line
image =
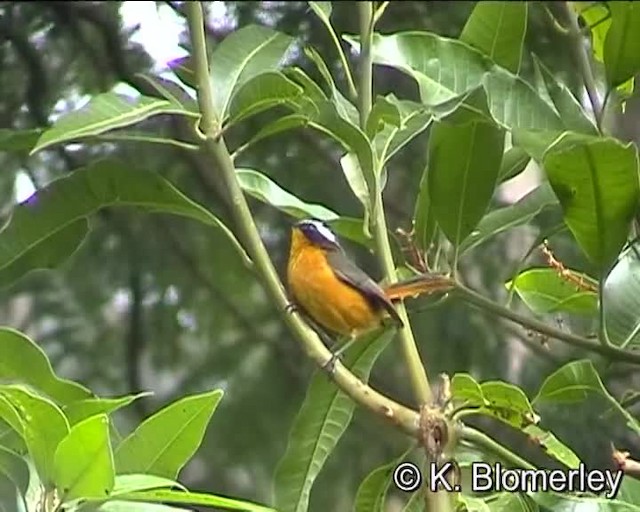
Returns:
<point x="316" y="233"/>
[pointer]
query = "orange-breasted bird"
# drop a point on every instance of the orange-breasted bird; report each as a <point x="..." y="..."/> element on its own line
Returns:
<point x="329" y="288"/>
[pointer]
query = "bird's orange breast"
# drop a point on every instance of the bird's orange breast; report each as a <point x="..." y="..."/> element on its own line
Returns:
<point x="333" y="304"/>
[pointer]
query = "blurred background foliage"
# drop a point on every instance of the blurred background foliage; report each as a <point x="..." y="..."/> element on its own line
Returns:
<point x="154" y="303"/>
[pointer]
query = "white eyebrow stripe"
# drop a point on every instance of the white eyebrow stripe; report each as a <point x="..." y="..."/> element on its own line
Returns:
<point x="325" y="231"/>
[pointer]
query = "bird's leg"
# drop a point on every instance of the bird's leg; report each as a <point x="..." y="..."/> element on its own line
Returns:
<point x="330" y="365"/>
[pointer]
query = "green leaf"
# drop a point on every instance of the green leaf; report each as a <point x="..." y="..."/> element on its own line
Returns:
<point x="443" y="68"/>
<point x="52" y="252"/>
<point x="242" y="55"/>
<point x="372" y="492"/>
<point x="596" y="181"/>
<point x="23" y="361"/>
<point x="514" y="161"/>
<point x="560" y="502"/>
<point x="553" y="446"/>
<point x="502" y="219"/>
<point x="264" y="189"/>
<point x="343" y="106"/>
<point x="104" y="112"/>
<point x="72" y="198"/>
<point x="83" y="462"/>
<point x="171" y="92"/>
<point x="573" y="383"/>
<point x="280" y="125"/>
<point x="44" y="426"/>
<point x="18" y="141"/>
<point x="323" y="11"/>
<point x="622" y="300"/>
<point x="15" y="469"/>
<point x="514" y="104"/>
<point x="463" y="168"/>
<point x="196" y="498"/>
<point x="322" y="419"/>
<point x="447" y="69"/>
<point x="622" y="45"/>
<point x="571" y="112"/>
<point x="137" y="506"/>
<point x="262" y="92"/>
<point x="356" y="178"/>
<point x="498" y="29"/>
<point x="165" y="442"/>
<point x="511" y="502"/>
<point x="500" y="400"/>
<point x="536" y="142"/>
<point x="424" y="220"/>
<point x="83" y="409"/>
<point x="544" y="291"/>
<point x="390" y="133"/>
<point x="126" y="484"/>
<point x="415" y="504"/>
<point x="434" y="62"/>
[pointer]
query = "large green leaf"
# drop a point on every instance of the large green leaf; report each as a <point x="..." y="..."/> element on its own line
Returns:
<point x="105" y="112"/>
<point x="514" y="161"/>
<point x="502" y="219"/>
<point x="242" y="55"/>
<point x="18" y="141"/>
<point x="262" y="92"/>
<point x="573" y="383"/>
<point x="15" y="468"/>
<point x="553" y="446"/>
<point x="164" y="443"/>
<point x="498" y="29"/>
<point x="515" y="105"/>
<point x="424" y="220"/>
<point x="564" y="501"/>
<point x="83" y="409"/>
<point x="68" y="200"/>
<point x="372" y="492"/>
<point x="447" y="69"/>
<point x="23" y="361"/>
<point x="571" y="112"/>
<point x="126" y="484"/>
<point x="544" y="291"/>
<point x="443" y="68"/>
<point x="83" y="462"/>
<point x="324" y="416"/>
<point x="137" y="506"/>
<point x="43" y="427"/>
<point x="394" y="123"/>
<point x="596" y="181"/>
<point x="264" y="189"/>
<point x="194" y="498"/>
<point x="463" y="161"/>
<point x="501" y="400"/>
<point x="622" y="300"/>
<point x="622" y="44"/>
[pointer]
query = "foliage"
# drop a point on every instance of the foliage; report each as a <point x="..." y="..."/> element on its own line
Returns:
<point x="488" y="110"/>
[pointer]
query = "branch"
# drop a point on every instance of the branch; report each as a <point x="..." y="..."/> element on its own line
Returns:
<point x="417" y="372"/>
<point x="582" y="58"/>
<point x="611" y="352"/>
<point x="403" y="417"/>
<point x="482" y="440"/>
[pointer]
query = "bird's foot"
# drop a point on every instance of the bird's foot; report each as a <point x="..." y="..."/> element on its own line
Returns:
<point x="330" y="365"/>
<point x="290" y="308"/>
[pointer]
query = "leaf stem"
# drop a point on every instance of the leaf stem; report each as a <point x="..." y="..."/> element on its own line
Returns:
<point x="417" y="372"/>
<point x="401" y="416"/>
<point x="353" y="93"/>
<point x="609" y="351"/>
<point x="483" y="441"/>
<point x="582" y="58"/>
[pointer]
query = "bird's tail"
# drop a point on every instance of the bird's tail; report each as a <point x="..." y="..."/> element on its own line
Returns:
<point x="418" y="285"/>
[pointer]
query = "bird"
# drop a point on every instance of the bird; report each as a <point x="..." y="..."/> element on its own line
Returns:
<point x="330" y="289"/>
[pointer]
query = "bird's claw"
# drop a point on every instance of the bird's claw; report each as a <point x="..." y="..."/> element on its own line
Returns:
<point x="290" y="308"/>
<point x="330" y="365"/>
